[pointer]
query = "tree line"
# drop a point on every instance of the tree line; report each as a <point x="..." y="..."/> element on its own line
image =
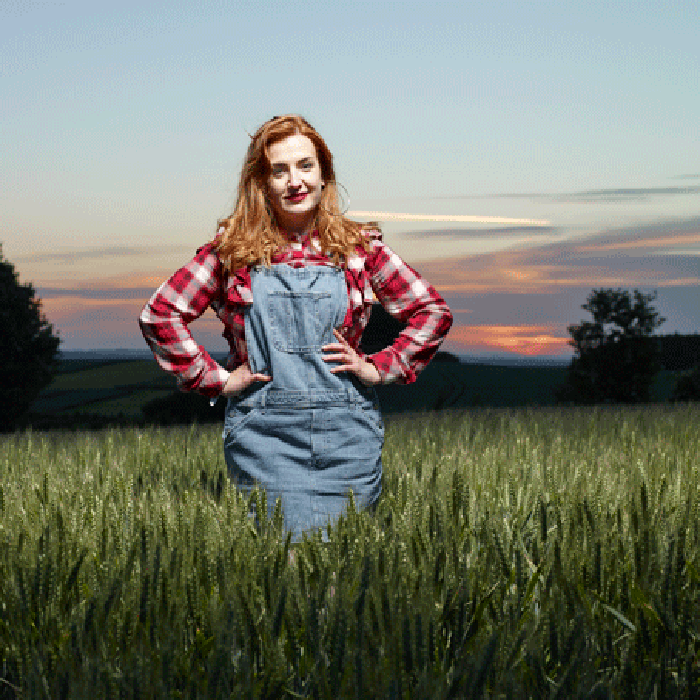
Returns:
<point x="617" y="356"/>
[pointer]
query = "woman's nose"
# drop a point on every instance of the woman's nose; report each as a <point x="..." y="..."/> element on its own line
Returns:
<point x="294" y="178"/>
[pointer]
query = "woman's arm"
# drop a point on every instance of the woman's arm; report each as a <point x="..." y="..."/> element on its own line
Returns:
<point x="412" y="300"/>
<point x="164" y="319"/>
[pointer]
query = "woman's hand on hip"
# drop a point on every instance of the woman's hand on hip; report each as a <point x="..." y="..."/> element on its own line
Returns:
<point x="350" y="361"/>
<point x="241" y="378"/>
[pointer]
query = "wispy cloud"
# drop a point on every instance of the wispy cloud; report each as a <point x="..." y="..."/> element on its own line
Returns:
<point x="460" y="233"/>
<point x="624" y="194"/>
<point x="99" y="253"/>
<point x="613" y="194"/>
<point x="602" y="260"/>
<point x="670" y="235"/>
<point x="659" y="243"/>
<point x="126" y="286"/>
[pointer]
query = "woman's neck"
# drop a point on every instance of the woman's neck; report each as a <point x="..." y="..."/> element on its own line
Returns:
<point x="298" y="228"/>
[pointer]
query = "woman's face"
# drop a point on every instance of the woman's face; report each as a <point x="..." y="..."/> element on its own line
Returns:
<point x="295" y="184"/>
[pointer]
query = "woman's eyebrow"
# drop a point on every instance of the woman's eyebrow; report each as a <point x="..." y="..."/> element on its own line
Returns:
<point x="283" y="163"/>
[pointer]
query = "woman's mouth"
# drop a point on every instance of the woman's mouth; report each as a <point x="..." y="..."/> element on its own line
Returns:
<point x="296" y="198"/>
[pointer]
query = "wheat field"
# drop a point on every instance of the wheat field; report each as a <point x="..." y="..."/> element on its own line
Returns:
<point x="513" y="553"/>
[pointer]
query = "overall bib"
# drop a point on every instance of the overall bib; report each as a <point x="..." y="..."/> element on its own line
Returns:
<point x="308" y="437"/>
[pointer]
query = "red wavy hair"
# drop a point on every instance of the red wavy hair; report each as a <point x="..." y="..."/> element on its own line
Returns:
<point x="250" y="235"/>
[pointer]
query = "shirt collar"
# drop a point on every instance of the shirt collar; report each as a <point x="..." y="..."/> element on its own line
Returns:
<point x="299" y="237"/>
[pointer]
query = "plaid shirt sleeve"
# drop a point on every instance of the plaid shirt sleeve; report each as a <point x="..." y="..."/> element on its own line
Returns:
<point x="164" y="318"/>
<point x="411" y="300"/>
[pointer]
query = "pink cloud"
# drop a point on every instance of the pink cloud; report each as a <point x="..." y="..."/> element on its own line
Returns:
<point x="528" y="340"/>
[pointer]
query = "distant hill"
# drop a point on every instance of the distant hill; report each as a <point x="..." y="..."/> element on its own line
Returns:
<point x="97" y="389"/>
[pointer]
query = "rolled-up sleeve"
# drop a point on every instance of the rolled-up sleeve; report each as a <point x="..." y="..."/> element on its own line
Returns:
<point x="165" y="317"/>
<point x="413" y="301"/>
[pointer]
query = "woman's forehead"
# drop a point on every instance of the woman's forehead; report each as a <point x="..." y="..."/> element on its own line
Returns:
<point x="291" y="149"/>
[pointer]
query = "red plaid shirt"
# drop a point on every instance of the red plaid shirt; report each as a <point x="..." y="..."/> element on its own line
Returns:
<point x="203" y="282"/>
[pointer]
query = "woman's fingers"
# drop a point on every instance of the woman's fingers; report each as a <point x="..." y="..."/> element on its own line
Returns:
<point x="339" y="356"/>
<point x="342" y="352"/>
<point x="350" y="361"/>
<point x="335" y="348"/>
<point x="342" y="346"/>
<point x="343" y="368"/>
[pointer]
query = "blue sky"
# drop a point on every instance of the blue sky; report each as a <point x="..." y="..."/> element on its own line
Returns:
<point x="123" y="130"/>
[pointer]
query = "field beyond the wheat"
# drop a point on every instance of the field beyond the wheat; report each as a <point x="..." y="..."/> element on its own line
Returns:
<point x="513" y="553"/>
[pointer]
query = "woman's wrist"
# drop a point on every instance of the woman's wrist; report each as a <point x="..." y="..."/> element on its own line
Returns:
<point x="230" y="389"/>
<point x="371" y="374"/>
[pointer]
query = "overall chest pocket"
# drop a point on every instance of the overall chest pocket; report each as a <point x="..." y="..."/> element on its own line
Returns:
<point x="301" y="322"/>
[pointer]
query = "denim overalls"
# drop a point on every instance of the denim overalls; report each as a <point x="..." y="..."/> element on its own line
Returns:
<point x="307" y="437"/>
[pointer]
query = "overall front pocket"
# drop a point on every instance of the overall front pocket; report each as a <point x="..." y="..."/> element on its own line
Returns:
<point x="301" y="322"/>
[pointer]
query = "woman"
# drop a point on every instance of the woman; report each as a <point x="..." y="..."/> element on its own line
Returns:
<point x="293" y="282"/>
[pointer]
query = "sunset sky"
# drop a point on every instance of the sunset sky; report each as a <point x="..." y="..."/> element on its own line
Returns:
<point x="124" y="127"/>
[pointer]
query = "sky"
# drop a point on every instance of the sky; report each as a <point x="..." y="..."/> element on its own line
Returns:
<point x="123" y="128"/>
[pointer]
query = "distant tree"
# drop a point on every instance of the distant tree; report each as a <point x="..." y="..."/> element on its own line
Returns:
<point x="28" y="346"/>
<point x="616" y="356"/>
